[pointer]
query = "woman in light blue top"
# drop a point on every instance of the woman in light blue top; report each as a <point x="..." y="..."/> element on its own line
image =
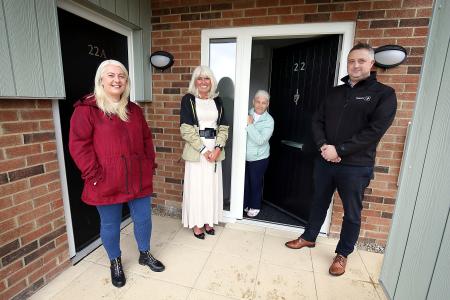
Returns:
<point x="259" y="130"/>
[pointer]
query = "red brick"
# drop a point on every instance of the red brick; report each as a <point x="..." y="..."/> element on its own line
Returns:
<point x="8" y="115"/>
<point x="12" y="164"/>
<point x="301" y="9"/>
<point x="401" y="13"/>
<point x="8" y="225"/>
<point x="413" y="22"/>
<point x="377" y="235"/>
<point x="51" y="166"/>
<point x="371" y="213"/>
<point x="162" y="41"/>
<point x="317" y="17"/>
<point x="40" y="272"/>
<point x="362" y="24"/>
<point x="169" y="33"/>
<point x="44" y="178"/>
<point x="170" y="18"/>
<point x="233" y="14"/>
<point x="398" y="32"/>
<point x="5" y="202"/>
<point x="15" y="210"/>
<point x="32" y="214"/>
<point x="10" y="269"/>
<point x="358" y="6"/>
<point x="255" y="12"/>
<point x="48" y="218"/>
<point x="265" y="3"/>
<point x="426" y="12"/>
<point x="416" y="41"/>
<point x="41" y="158"/>
<point x="384" y="23"/>
<point x="24" y="272"/>
<point x="25" y="173"/>
<point x="330" y="7"/>
<point x="54" y="253"/>
<point x="19" y="151"/>
<point x="243" y="4"/>
<point x="221" y="6"/>
<point x="53" y="273"/>
<point x="387" y="4"/>
<point x="19" y="127"/>
<point x="279" y="10"/>
<point x="46" y="126"/>
<point x="36" y="114"/>
<point x="291" y="19"/>
<point x="11" y="140"/>
<point x="344" y="16"/>
<point x="29" y="194"/>
<point x="12" y="291"/>
<point x="372" y="14"/>
<point x="417" y="3"/>
<point x="377" y="42"/>
<point x="46" y="199"/>
<point x="421" y="31"/>
<point x="9" y="104"/>
<point x="369" y="33"/>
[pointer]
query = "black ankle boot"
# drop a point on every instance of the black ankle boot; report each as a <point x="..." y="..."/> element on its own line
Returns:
<point x="117" y="274"/>
<point x="146" y="259"/>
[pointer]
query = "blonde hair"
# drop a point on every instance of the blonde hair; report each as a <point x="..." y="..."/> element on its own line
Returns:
<point x="203" y="71"/>
<point x="103" y="103"/>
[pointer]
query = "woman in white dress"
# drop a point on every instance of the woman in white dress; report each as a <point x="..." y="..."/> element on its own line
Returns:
<point x="203" y="128"/>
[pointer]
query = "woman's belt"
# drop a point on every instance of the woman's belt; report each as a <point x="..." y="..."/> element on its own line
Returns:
<point x="207" y="133"/>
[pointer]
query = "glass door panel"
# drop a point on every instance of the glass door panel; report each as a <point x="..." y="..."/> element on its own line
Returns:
<point x="222" y="61"/>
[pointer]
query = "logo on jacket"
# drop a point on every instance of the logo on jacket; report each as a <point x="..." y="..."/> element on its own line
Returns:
<point x="365" y="98"/>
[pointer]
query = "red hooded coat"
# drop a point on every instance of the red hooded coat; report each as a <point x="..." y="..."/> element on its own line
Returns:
<point x="116" y="158"/>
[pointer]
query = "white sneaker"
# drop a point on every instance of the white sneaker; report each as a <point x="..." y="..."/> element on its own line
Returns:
<point x="252" y="212"/>
<point x="246" y="209"/>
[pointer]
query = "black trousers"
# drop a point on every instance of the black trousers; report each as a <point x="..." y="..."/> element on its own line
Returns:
<point x="350" y="182"/>
<point x="254" y="175"/>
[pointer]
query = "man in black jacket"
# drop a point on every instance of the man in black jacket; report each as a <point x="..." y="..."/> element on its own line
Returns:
<point x="347" y="128"/>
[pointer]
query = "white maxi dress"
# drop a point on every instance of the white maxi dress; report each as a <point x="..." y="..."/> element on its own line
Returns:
<point x="202" y="191"/>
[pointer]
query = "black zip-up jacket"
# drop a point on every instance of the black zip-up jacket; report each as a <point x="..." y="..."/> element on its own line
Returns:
<point x="354" y="119"/>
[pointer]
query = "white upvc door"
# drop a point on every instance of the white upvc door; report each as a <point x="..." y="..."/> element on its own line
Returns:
<point x="243" y="37"/>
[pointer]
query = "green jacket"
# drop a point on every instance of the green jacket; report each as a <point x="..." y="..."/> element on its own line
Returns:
<point x="190" y="130"/>
<point x="258" y="136"/>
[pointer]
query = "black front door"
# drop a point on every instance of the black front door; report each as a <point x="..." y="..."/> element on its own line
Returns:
<point x="84" y="46"/>
<point x="302" y="74"/>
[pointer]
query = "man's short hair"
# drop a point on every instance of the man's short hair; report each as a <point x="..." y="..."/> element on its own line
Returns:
<point x="365" y="46"/>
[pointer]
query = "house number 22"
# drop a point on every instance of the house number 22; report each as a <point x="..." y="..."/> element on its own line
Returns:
<point x="96" y="51"/>
<point x="299" y="66"/>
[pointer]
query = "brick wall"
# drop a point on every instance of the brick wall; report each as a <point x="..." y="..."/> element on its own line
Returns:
<point x="33" y="240"/>
<point x="177" y="26"/>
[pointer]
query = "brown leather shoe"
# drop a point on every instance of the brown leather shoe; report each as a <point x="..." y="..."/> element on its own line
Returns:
<point x="337" y="268"/>
<point x="299" y="244"/>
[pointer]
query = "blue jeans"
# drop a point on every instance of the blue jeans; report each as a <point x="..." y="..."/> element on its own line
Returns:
<point x="111" y="217"/>
<point x="254" y="175"/>
<point x="350" y="182"/>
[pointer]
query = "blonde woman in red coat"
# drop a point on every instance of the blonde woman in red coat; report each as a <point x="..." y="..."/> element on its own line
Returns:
<point x="112" y="146"/>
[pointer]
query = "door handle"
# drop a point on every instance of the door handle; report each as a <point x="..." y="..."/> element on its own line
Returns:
<point x="292" y="144"/>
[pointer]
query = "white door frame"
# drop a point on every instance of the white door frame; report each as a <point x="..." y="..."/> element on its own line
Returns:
<point x="244" y="37"/>
<point x="103" y="21"/>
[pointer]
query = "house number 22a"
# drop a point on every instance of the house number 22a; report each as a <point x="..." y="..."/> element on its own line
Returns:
<point x="96" y="51"/>
<point x="299" y="66"/>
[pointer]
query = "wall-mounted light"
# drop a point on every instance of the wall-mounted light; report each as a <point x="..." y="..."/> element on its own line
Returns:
<point x="389" y="56"/>
<point x="161" y="60"/>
